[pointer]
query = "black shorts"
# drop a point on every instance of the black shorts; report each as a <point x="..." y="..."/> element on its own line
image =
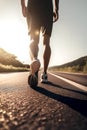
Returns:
<point x="40" y="16"/>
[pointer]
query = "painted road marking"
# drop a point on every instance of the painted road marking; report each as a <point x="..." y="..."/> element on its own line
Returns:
<point x="82" y="87"/>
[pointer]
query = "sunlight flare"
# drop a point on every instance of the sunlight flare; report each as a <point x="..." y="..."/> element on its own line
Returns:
<point x="14" y="39"/>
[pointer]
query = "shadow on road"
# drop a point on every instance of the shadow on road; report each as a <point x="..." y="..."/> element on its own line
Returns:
<point x="76" y="104"/>
<point x="76" y="91"/>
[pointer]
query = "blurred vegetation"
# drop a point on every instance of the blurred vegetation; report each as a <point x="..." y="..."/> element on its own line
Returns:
<point x="9" y="62"/>
<point x="78" y="65"/>
<point x="9" y="59"/>
<point x="10" y="68"/>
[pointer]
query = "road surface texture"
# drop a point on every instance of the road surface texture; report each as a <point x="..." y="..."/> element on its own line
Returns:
<point x="58" y="105"/>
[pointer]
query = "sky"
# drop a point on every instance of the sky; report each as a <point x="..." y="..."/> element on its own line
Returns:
<point x="69" y="35"/>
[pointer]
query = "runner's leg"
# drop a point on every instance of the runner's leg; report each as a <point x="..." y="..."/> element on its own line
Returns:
<point x="34" y="46"/>
<point x="47" y="52"/>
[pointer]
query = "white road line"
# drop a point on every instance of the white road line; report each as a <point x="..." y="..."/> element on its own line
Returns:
<point x="82" y="87"/>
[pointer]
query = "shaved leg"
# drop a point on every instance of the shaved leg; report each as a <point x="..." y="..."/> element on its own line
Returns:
<point x="34" y="47"/>
<point x="47" y="52"/>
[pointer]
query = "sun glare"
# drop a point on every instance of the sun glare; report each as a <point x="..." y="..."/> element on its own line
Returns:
<point x="14" y="39"/>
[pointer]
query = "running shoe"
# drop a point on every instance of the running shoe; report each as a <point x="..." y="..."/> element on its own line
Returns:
<point x="33" y="77"/>
<point x="44" y="78"/>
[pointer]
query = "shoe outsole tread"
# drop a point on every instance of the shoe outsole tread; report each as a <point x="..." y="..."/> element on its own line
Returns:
<point x="33" y="77"/>
<point x="32" y="80"/>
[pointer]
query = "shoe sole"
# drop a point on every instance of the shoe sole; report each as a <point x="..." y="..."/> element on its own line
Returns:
<point x="33" y="77"/>
<point x="35" y="64"/>
<point x="32" y="80"/>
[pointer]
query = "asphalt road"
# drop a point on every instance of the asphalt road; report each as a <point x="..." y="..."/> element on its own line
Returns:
<point x="79" y="78"/>
<point x="58" y="105"/>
